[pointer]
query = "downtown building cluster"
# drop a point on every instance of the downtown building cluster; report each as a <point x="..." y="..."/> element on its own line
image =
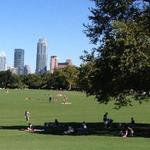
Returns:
<point x="41" y="61"/>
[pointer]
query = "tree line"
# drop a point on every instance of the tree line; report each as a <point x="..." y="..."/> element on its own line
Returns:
<point x="66" y="78"/>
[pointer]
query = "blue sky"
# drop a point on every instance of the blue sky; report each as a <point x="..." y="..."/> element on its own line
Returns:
<point x="23" y="22"/>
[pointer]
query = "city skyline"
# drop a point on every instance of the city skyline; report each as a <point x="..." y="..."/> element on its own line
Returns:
<point x="60" y="22"/>
<point x="42" y="63"/>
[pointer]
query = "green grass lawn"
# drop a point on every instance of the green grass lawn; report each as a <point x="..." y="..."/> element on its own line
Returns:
<point x="82" y="108"/>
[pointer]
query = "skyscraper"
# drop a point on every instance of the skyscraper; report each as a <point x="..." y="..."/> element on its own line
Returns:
<point x="53" y="64"/>
<point x="19" y="60"/>
<point x="2" y="61"/>
<point x="41" y="57"/>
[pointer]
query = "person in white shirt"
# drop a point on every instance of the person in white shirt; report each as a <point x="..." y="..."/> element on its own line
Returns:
<point x="27" y="115"/>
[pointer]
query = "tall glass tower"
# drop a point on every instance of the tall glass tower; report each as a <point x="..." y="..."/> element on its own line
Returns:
<point x="19" y="60"/>
<point x="41" y="57"/>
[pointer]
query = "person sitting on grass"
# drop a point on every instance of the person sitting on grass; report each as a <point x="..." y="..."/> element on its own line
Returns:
<point x="55" y="124"/>
<point x="126" y="131"/>
<point x="107" y="121"/>
<point x="30" y="127"/>
<point x="83" y="128"/>
<point x="69" y="131"/>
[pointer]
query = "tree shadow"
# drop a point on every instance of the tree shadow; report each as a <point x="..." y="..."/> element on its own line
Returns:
<point x="93" y="128"/>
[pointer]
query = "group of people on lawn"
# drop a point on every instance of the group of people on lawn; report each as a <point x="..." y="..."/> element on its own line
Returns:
<point x="56" y="125"/>
<point x="126" y="129"/>
<point x="60" y="127"/>
<point x="55" y="98"/>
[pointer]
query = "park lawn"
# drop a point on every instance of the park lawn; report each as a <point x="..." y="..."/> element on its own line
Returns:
<point x="20" y="140"/>
<point x="82" y="108"/>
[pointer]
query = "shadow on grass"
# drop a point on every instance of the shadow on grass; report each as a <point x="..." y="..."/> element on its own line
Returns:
<point x="93" y="128"/>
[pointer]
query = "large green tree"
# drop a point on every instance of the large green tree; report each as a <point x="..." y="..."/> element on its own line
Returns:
<point x="71" y="75"/>
<point x="33" y="81"/>
<point x="65" y="78"/>
<point x="58" y="80"/>
<point x="5" y="78"/>
<point x="9" y="80"/>
<point x="120" y="30"/>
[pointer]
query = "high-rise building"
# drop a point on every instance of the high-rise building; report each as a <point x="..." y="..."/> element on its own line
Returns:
<point x="19" y="60"/>
<point x="53" y="64"/>
<point x="2" y="61"/>
<point x="41" y="57"/>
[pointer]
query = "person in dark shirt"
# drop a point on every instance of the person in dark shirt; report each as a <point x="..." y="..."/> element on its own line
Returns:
<point x="105" y="117"/>
<point x="132" y="122"/>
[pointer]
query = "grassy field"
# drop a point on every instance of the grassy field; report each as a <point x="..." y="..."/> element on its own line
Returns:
<point x="14" y="103"/>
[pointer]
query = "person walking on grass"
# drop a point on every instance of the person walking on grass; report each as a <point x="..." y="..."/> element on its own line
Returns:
<point x="27" y="115"/>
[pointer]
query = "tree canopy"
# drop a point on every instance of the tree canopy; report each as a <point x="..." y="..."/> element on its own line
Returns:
<point x="65" y="79"/>
<point x="120" y="31"/>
